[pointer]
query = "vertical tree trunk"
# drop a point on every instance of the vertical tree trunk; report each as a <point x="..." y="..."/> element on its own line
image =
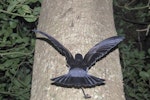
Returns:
<point x="78" y="25"/>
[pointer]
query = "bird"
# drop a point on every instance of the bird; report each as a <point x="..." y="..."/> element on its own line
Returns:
<point x="78" y="66"/>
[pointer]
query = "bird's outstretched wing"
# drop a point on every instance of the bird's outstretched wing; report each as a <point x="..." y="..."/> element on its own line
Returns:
<point x="100" y="50"/>
<point x="58" y="46"/>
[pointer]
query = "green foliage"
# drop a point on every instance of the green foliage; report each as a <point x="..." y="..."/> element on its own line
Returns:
<point x="136" y="72"/>
<point x="17" y="47"/>
<point x="132" y="21"/>
<point x="21" y="8"/>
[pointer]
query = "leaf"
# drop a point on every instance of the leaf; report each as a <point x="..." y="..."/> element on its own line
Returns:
<point x="8" y="63"/>
<point x="2" y="85"/>
<point x="12" y="5"/>
<point x="30" y="18"/>
<point x="27" y="79"/>
<point x="21" y="12"/>
<point x="13" y="24"/>
<point x="21" y="40"/>
<point x="13" y="71"/>
<point x="149" y="51"/>
<point x="36" y="10"/>
<point x="148" y="72"/>
<point x="6" y="34"/>
<point x="26" y="9"/>
<point x="16" y="83"/>
<point x="15" y="36"/>
<point x="144" y="75"/>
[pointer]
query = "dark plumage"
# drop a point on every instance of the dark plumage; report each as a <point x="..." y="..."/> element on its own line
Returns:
<point x="77" y="76"/>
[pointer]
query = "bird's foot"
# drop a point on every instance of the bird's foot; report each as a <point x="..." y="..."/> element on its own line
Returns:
<point x="86" y="96"/>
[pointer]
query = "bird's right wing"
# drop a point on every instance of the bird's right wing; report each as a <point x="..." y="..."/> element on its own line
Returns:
<point x="100" y="50"/>
<point x="58" y="46"/>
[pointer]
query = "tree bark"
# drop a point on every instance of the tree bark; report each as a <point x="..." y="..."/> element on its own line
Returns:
<point x="78" y="25"/>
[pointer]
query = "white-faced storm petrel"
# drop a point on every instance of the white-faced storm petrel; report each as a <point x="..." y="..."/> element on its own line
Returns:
<point x="78" y="76"/>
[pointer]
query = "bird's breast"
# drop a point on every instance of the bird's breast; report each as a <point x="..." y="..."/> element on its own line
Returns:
<point x="77" y="72"/>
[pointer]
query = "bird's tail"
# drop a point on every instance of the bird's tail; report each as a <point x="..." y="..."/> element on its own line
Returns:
<point x="77" y="82"/>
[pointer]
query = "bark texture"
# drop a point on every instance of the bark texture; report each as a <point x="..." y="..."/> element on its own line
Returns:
<point x="78" y="25"/>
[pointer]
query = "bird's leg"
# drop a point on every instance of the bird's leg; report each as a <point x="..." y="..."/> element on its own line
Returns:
<point x="85" y="95"/>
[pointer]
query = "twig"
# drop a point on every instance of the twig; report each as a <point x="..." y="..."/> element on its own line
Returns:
<point x="15" y="14"/>
<point x="146" y="29"/>
<point x="126" y="6"/>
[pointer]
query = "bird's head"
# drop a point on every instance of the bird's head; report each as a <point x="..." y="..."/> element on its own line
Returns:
<point x="78" y="57"/>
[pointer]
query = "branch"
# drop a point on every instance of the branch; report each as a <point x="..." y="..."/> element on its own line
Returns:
<point x="146" y="29"/>
<point x="126" y="6"/>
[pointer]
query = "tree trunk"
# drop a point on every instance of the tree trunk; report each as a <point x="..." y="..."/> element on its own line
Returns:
<point x="78" y="25"/>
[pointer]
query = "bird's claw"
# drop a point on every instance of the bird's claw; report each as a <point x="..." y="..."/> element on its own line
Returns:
<point x="86" y="96"/>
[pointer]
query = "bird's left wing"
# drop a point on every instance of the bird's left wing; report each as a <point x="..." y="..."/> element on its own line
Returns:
<point x="60" y="48"/>
<point x="100" y="50"/>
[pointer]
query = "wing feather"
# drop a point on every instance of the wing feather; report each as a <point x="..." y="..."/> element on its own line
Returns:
<point x="100" y="50"/>
<point x="60" y="48"/>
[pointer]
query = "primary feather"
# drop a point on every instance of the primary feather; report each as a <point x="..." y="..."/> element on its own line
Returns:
<point x="77" y="76"/>
<point x="65" y="52"/>
<point x="100" y="50"/>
